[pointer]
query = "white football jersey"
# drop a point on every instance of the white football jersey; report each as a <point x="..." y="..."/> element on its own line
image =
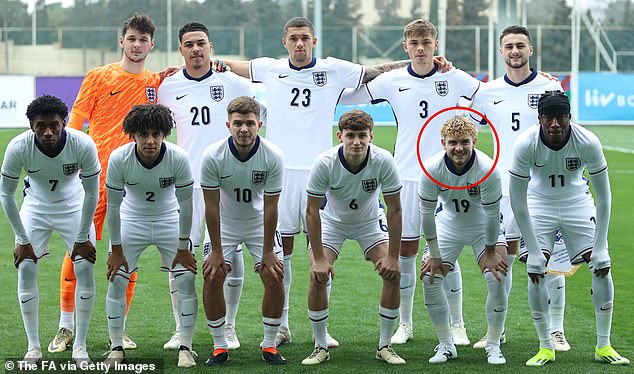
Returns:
<point x="353" y="197"/>
<point x="557" y="174"/>
<point x="301" y="103"/>
<point x="461" y="208"/>
<point x="242" y="183"/>
<point x="150" y="190"/>
<point x="54" y="186"/>
<point x="415" y="98"/>
<point x="200" y="109"/>
<point x="511" y="108"/>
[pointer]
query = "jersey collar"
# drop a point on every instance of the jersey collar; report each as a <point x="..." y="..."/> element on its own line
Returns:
<point x="209" y="74"/>
<point x="525" y="81"/>
<point x="158" y="159"/>
<point x="234" y="150"/>
<point x="413" y="73"/>
<point x="543" y="139"/>
<point x="312" y="63"/>
<point x="56" y="151"/>
<point x="347" y="166"/>
<point x="466" y="168"/>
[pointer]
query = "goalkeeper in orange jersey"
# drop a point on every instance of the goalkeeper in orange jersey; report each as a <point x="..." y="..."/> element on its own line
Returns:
<point x="105" y="97"/>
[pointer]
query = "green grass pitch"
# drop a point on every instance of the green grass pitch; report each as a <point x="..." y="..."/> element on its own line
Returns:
<point x="354" y="303"/>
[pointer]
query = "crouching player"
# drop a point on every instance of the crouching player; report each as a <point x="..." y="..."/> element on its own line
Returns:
<point x="468" y="216"/>
<point x="149" y="186"/>
<point x="547" y="166"/>
<point x="348" y="178"/>
<point x="241" y="178"/>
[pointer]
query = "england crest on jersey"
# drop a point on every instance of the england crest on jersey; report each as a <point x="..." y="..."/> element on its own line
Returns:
<point x="258" y="176"/>
<point x="473" y="191"/>
<point x="150" y="94"/>
<point x="166" y="182"/>
<point x="369" y="185"/>
<point x="533" y="100"/>
<point x="320" y="78"/>
<point x="70" y="169"/>
<point x="217" y="92"/>
<point x="573" y="163"/>
<point x="442" y="88"/>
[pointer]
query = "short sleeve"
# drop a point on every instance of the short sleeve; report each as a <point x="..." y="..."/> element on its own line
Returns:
<point x="12" y="163"/>
<point x="259" y="67"/>
<point x="491" y="189"/>
<point x="378" y="88"/>
<point x="390" y="180"/>
<point x="521" y="159"/>
<point x="427" y="190"/>
<point x="90" y="165"/>
<point x="209" y="176"/>
<point x="318" y="178"/>
<point x="468" y="85"/>
<point x="85" y="101"/>
<point x="114" y="175"/>
<point x="184" y="176"/>
<point x="349" y="75"/>
<point x="595" y="159"/>
<point x="274" y="181"/>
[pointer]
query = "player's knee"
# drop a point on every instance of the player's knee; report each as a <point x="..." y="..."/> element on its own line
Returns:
<point x="537" y="315"/>
<point x="217" y="282"/>
<point x="84" y="272"/>
<point x="185" y="282"/>
<point x="116" y="288"/>
<point x="27" y="269"/>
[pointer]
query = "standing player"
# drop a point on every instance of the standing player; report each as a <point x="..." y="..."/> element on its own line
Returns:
<point x="198" y="98"/>
<point x="105" y="97"/>
<point x="510" y="103"/>
<point x="415" y="93"/>
<point x="548" y="162"/>
<point x="348" y="178"/>
<point x="468" y="216"/>
<point x="57" y="197"/>
<point x="241" y="177"/>
<point x="304" y="91"/>
<point x="150" y="203"/>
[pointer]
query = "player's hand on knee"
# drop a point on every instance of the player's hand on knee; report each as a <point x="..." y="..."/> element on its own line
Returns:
<point x="436" y="266"/>
<point x="273" y="264"/>
<point x="185" y="258"/>
<point x="320" y="270"/>
<point x="22" y="252"/>
<point x="494" y="263"/>
<point x="388" y="268"/>
<point x="116" y="260"/>
<point x="215" y="266"/>
<point x="535" y="278"/>
<point x="602" y="273"/>
<point x="536" y="264"/>
<point x="86" y="250"/>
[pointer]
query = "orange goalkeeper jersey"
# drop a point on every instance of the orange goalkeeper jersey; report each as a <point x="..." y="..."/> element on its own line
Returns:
<point x="105" y="97"/>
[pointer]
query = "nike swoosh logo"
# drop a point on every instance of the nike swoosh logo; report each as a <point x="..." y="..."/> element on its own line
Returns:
<point x="112" y="93"/>
<point x="132" y="184"/>
<point x="560" y="287"/>
<point x="406" y="287"/>
<point x="336" y="188"/>
<point x="27" y="300"/>
<point x="456" y="290"/>
<point x="498" y="311"/>
<point x="187" y="315"/>
<point x="33" y="171"/>
<point x="539" y="166"/>
<point x="233" y="285"/>
<point x="86" y="298"/>
<point x="173" y="292"/>
<point x="443" y="189"/>
<point x="282" y="76"/>
<point x="113" y="317"/>
<point x="497" y="102"/>
<point x="69" y="280"/>
<point x="180" y="97"/>
<point x="226" y="176"/>
<point x="401" y="89"/>
<point x="604" y="309"/>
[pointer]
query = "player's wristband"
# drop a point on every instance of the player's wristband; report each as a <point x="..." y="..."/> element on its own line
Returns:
<point x="184" y="244"/>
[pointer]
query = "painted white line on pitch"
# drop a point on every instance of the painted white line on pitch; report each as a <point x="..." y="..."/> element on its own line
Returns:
<point x="618" y="149"/>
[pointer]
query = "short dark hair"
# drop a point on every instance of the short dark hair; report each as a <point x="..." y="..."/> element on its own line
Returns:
<point x="356" y="120"/>
<point x="147" y="117"/>
<point x="515" y="29"/>
<point x="191" y="27"/>
<point x="243" y="105"/>
<point x="140" y="22"/>
<point x="46" y="105"/>
<point x="299" y="22"/>
<point x="553" y="102"/>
